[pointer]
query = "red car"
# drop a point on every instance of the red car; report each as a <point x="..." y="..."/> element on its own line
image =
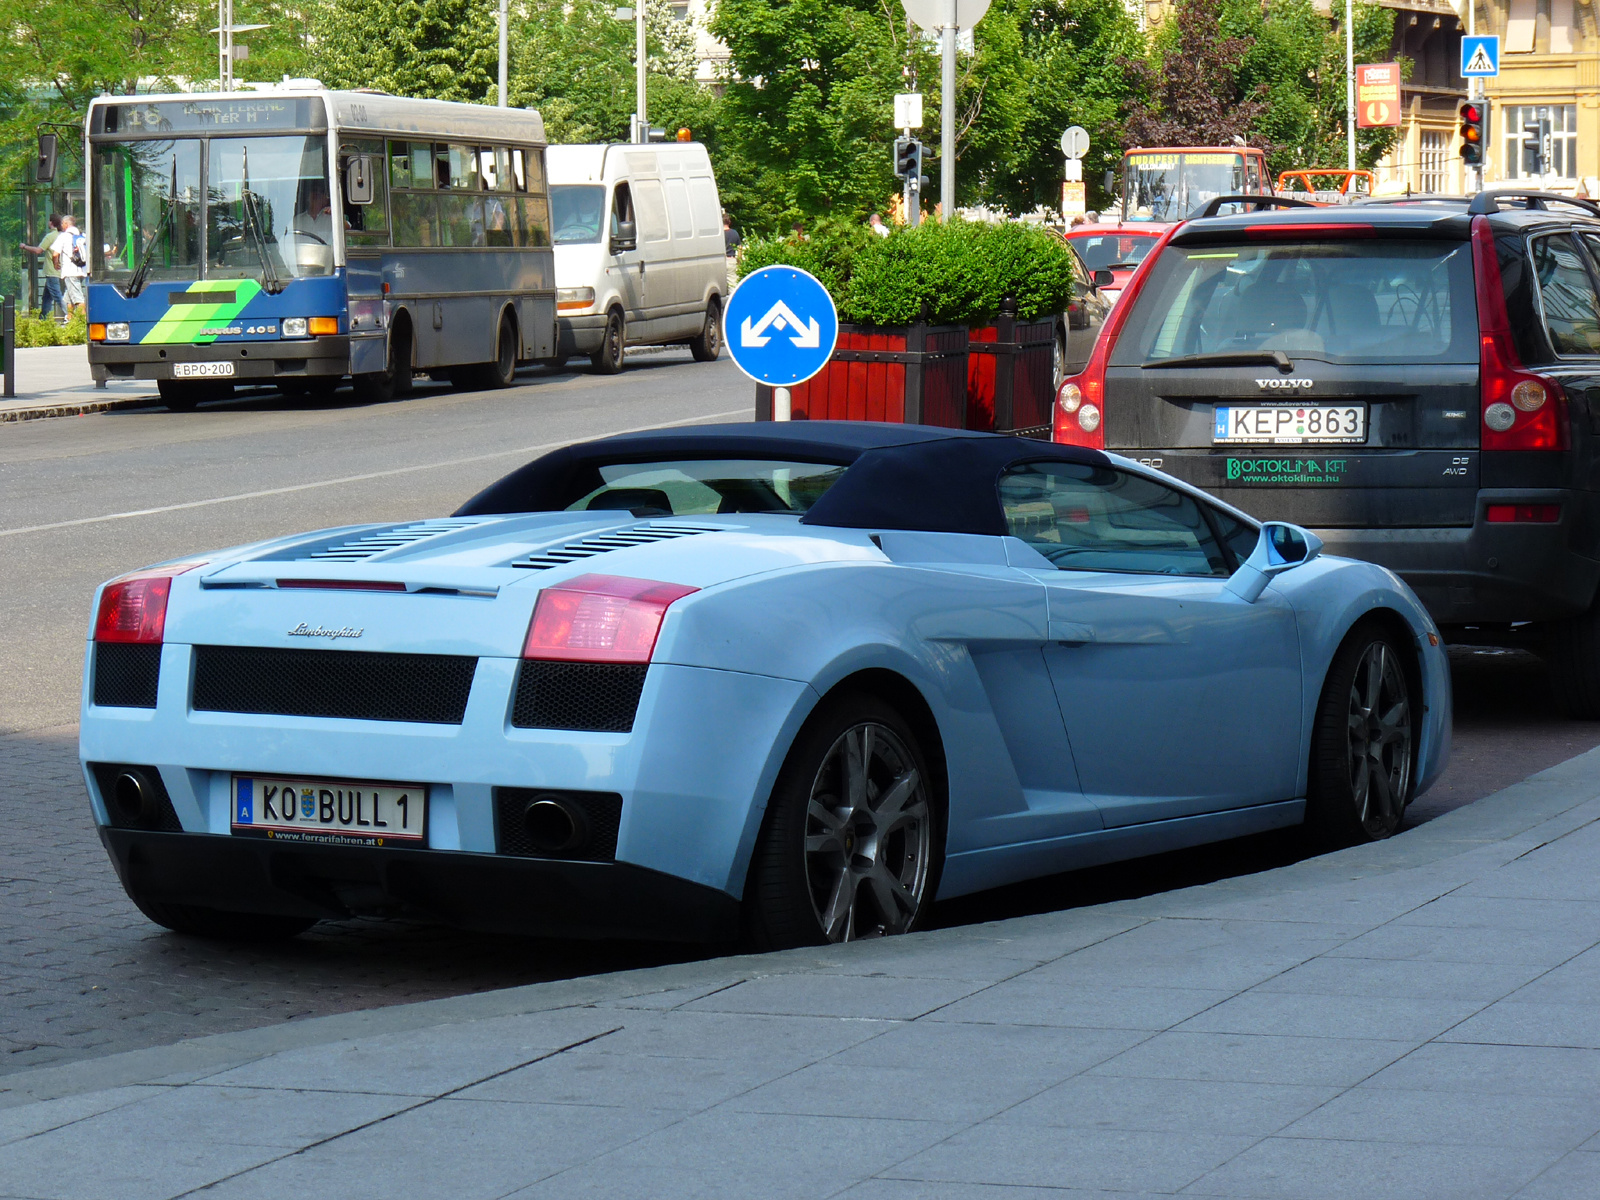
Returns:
<point x="1117" y="248"/>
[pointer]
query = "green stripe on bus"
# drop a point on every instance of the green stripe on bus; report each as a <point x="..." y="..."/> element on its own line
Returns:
<point x="184" y="322"/>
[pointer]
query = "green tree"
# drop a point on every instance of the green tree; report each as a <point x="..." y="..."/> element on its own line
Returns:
<point x="440" y="49"/>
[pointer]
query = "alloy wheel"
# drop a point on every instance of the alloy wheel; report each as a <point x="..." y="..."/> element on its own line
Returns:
<point x="1380" y="740"/>
<point x="868" y="836"/>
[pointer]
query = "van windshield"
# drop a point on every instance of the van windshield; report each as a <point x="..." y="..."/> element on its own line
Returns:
<point x="1335" y="301"/>
<point x="577" y="212"/>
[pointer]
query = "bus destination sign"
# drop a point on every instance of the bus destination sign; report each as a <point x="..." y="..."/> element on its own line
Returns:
<point x="244" y="115"/>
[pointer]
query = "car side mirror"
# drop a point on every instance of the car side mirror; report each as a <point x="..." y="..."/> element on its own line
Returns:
<point x="1104" y="278"/>
<point x="49" y="148"/>
<point x="358" y="187"/>
<point x="625" y="238"/>
<point x="1281" y="547"/>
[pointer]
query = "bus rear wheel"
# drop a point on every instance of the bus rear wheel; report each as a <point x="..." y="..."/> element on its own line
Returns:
<point x="501" y="373"/>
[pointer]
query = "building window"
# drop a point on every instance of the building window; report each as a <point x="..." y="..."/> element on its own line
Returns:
<point x="1541" y="141"/>
<point x="1433" y="147"/>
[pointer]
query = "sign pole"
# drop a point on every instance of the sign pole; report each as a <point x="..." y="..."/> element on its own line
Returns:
<point x="641" y="129"/>
<point x="947" y="115"/>
<point x="502" y="53"/>
<point x="1350" y="83"/>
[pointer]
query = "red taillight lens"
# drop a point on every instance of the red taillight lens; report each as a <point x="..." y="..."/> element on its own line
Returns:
<point x="1523" y="514"/>
<point x="1081" y="401"/>
<point x="1520" y="410"/>
<point x="600" y="618"/>
<point x="134" y="608"/>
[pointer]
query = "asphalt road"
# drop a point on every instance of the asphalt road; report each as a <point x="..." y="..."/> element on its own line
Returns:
<point x="82" y="973"/>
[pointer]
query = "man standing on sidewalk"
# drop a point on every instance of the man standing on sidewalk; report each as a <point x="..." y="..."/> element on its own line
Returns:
<point x="50" y="302"/>
<point x="72" y="255"/>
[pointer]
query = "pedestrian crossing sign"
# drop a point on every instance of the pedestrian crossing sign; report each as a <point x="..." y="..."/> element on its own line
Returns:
<point x="1480" y="55"/>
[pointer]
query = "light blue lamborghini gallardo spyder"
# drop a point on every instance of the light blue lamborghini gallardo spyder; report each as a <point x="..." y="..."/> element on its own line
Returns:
<point x="791" y="682"/>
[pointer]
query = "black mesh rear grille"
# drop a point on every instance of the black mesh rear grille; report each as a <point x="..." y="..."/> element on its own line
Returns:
<point x="125" y="675"/>
<point x="595" y="697"/>
<point x="603" y="810"/>
<point x="354" y="684"/>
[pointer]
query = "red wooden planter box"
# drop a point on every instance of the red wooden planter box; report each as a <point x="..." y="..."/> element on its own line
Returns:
<point x="909" y="374"/>
<point x="1010" y="377"/>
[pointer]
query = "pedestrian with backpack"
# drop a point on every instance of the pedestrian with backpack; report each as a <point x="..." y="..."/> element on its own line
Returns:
<point x="71" y="251"/>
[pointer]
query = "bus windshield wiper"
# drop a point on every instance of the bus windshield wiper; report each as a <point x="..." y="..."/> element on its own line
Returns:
<point x="1226" y="358"/>
<point x="136" y="284"/>
<point x="252" y="222"/>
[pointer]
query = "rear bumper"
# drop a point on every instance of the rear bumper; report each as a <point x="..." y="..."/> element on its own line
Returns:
<point x="493" y="893"/>
<point x="255" y="360"/>
<point x="1491" y="574"/>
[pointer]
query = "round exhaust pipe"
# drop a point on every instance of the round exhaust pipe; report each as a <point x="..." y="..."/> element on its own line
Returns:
<point x="133" y="796"/>
<point x="555" y="825"/>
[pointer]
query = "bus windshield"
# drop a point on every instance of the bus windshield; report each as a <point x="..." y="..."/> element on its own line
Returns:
<point x="577" y="211"/>
<point x="147" y="195"/>
<point x="1168" y="187"/>
<point x="267" y="197"/>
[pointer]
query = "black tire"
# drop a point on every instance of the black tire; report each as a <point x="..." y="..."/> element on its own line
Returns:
<point x="502" y="372"/>
<point x="395" y="379"/>
<point x="1363" y="746"/>
<point x="182" y="395"/>
<point x="1572" y="652"/>
<point x="708" y="345"/>
<point x="825" y="868"/>
<point x="608" y="359"/>
<point x="195" y="921"/>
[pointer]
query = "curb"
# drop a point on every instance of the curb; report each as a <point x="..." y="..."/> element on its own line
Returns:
<point x="75" y="408"/>
<point x="1479" y="837"/>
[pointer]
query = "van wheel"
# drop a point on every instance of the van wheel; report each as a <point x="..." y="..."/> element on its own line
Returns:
<point x="1572" y="652"/>
<point x="608" y="359"/>
<point x="708" y="345"/>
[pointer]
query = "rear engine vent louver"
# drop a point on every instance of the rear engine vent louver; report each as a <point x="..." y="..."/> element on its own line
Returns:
<point x="356" y="685"/>
<point x="640" y="535"/>
<point x="593" y="697"/>
<point x="373" y="544"/>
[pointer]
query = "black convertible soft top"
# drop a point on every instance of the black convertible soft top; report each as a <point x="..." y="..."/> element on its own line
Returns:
<point x="900" y="476"/>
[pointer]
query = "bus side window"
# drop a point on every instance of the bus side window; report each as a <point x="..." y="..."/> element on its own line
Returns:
<point x="519" y="178"/>
<point x="533" y="229"/>
<point x="365" y="224"/>
<point x="536" y="171"/>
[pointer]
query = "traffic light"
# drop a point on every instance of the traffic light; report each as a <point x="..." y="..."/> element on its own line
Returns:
<point x="908" y="159"/>
<point x="1474" y="118"/>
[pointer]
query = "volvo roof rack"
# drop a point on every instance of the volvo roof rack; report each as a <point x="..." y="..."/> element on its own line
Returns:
<point x="1487" y="202"/>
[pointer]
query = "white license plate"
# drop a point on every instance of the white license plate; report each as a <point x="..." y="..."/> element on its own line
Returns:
<point x="335" y="812"/>
<point x="1290" y="424"/>
<point x="201" y="370"/>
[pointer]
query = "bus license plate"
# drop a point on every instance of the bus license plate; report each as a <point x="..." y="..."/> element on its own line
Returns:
<point x="1289" y="424"/>
<point x="333" y="812"/>
<point x="209" y="370"/>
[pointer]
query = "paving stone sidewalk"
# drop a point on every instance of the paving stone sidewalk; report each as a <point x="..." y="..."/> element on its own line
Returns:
<point x="1416" y="1019"/>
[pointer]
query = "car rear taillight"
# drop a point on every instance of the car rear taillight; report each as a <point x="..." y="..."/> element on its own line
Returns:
<point x="1080" y="400"/>
<point x="134" y="608"/>
<point x="600" y="618"/>
<point x="1520" y="410"/>
<point x="1307" y="231"/>
<point x="1522" y="514"/>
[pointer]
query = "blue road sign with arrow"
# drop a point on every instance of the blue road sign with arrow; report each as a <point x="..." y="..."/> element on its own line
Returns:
<point x="1480" y="55"/>
<point x="780" y="326"/>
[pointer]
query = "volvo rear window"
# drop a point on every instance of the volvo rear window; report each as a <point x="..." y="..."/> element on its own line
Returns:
<point x="707" y="486"/>
<point x="1357" y="301"/>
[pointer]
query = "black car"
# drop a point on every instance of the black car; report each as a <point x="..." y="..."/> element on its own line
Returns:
<point x="1418" y="382"/>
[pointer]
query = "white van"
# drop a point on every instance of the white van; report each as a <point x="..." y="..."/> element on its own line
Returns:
<point x="639" y="250"/>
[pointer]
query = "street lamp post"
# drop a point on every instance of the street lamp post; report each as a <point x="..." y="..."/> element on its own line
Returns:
<point x="502" y="53"/>
<point x="641" y="122"/>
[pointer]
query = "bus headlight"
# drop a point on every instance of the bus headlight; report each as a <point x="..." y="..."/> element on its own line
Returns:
<point x="294" y="327"/>
<point x="117" y="331"/>
<point x="574" y="299"/>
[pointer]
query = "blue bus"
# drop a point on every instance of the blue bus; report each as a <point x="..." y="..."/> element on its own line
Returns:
<point x="298" y="237"/>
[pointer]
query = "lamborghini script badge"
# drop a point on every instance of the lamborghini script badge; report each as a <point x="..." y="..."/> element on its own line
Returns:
<point x="317" y="631"/>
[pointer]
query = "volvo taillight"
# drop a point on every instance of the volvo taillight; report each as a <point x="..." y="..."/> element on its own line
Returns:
<point x="1520" y="410"/>
<point x="134" y="607"/>
<point x="600" y="618"/>
<point x="1080" y="412"/>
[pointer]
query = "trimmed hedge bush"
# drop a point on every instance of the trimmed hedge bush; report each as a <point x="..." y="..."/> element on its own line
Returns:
<point x="31" y="331"/>
<point x="948" y="273"/>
